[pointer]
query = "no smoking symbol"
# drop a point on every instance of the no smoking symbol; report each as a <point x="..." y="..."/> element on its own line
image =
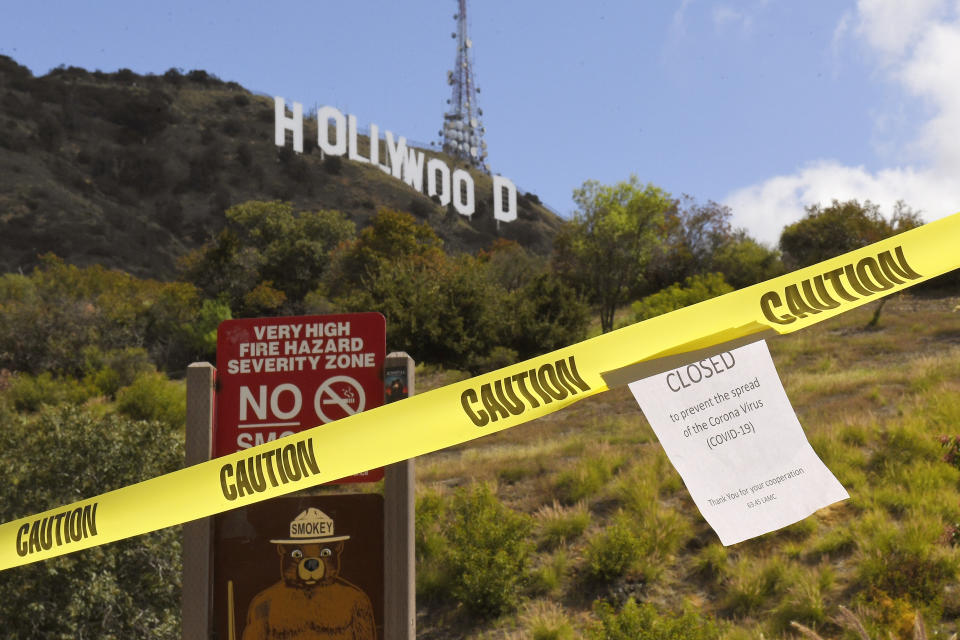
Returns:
<point x="341" y="392"/>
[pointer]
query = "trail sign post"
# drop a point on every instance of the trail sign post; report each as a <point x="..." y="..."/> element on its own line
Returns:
<point x="280" y="376"/>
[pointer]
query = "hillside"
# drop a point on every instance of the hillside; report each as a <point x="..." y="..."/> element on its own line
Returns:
<point x="133" y="171"/>
<point x="610" y="518"/>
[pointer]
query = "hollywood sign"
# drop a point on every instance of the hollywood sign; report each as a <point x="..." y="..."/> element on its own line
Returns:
<point x="399" y="160"/>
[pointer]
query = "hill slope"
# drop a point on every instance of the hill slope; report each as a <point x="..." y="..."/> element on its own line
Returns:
<point x="612" y="520"/>
<point x="132" y="171"/>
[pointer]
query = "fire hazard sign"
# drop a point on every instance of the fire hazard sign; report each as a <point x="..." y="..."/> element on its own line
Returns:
<point x="279" y="376"/>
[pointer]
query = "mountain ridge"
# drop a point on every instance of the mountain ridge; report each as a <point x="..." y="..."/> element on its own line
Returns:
<point x="134" y="171"/>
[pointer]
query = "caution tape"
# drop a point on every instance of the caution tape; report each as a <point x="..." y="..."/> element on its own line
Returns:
<point x="488" y="403"/>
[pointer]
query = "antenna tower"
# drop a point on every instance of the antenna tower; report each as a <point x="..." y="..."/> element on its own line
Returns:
<point x="462" y="129"/>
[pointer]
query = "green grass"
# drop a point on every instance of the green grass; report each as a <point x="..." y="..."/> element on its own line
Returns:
<point x="587" y="477"/>
<point x="558" y="525"/>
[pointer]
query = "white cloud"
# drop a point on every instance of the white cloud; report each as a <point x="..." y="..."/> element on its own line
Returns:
<point x="915" y="44"/>
<point x="725" y="17"/>
<point x="679" y="22"/>
<point x="840" y="33"/>
<point x="891" y="26"/>
<point x="764" y="209"/>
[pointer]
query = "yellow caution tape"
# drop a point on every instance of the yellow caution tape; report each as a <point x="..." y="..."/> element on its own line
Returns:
<point x="487" y="403"/>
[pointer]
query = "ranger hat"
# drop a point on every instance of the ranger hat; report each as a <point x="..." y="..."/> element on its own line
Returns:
<point x="311" y="526"/>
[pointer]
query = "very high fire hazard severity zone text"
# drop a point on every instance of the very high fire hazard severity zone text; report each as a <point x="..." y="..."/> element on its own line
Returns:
<point x="279" y="376"/>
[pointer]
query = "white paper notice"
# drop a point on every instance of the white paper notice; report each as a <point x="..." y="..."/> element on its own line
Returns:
<point x="727" y="426"/>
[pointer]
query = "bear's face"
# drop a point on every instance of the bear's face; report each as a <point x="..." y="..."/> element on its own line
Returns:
<point x="307" y="565"/>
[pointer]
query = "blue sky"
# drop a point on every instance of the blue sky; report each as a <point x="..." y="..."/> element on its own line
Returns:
<point x="764" y="105"/>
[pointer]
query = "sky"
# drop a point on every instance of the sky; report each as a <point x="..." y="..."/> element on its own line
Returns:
<point x="766" y="106"/>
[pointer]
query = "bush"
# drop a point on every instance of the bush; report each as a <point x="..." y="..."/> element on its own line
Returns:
<point x="906" y="560"/>
<point x="694" y="289"/>
<point x="548" y="315"/>
<point x="613" y="552"/>
<point x="51" y="319"/>
<point x="488" y="552"/>
<point x="30" y="393"/>
<point x="743" y="261"/>
<point x="128" y="589"/>
<point x="548" y="579"/>
<point x="109" y="372"/>
<point x="642" y="622"/>
<point x="430" y="547"/>
<point x="153" y="397"/>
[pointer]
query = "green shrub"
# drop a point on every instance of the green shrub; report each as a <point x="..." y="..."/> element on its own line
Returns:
<point x="643" y="622"/>
<point x="488" y="552"/>
<point x="694" y="289"/>
<point x="127" y="589"/>
<point x="905" y="559"/>
<point x="637" y="543"/>
<point x="153" y="397"/>
<point x="30" y="393"/>
<point x="835" y="543"/>
<point x="201" y="334"/>
<point x="614" y="551"/>
<point x="433" y="578"/>
<point x="109" y="371"/>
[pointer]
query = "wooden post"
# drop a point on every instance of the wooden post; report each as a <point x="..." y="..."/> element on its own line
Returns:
<point x="400" y="605"/>
<point x="196" y="597"/>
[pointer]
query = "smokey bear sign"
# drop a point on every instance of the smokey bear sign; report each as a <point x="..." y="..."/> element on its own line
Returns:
<point x="300" y="567"/>
<point x="279" y="376"/>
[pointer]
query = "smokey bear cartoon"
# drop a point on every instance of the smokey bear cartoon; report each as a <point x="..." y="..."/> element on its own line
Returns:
<point x="311" y="601"/>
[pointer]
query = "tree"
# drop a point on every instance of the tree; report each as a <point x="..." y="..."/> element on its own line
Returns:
<point x="511" y="266"/>
<point x="701" y="240"/>
<point x="391" y="236"/>
<point x="743" y="261"/>
<point x="128" y="589"/>
<point x="843" y="226"/>
<point x="267" y="256"/>
<point x="604" y="251"/>
<point x="438" y="308"/>
<point x="694" y="233"/>
<point x="52" y="318"/>
<point x="545" y="314"/>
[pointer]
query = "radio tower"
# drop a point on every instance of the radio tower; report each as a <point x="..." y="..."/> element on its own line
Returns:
<point x="462" y="129"/>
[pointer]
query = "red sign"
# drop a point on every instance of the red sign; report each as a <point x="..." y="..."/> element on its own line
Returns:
<point x="279" y="376"/>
